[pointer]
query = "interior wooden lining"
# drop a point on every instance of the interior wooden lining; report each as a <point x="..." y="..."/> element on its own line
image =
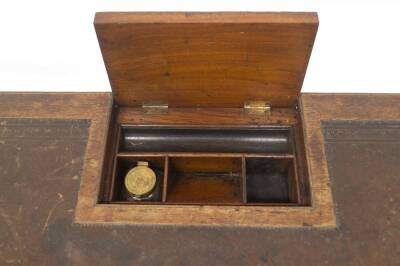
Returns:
<point x="302" y="174"/>
<point x="271" y="180"/>
<point x="114" y="166"/>
<point x="203" y="180"/>
<point x="109" y="164"/>
<point x="205" y="154"/>
<point x="206" y="117"/>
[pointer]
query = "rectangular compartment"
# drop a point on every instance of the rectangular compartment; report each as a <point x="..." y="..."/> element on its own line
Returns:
<point x="211" y="174"/>
<point x="125" y="163"/>
<point x="205" y="180"/>
<point x="271" y="180"/>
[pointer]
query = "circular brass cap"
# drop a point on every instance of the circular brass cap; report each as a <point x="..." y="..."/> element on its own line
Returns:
<point x="140" y="180"/>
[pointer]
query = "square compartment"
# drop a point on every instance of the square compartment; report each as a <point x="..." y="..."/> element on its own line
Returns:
<point x="271" y="180"/>
<point x="126" y="163"/>
<point x="205" y="180"/>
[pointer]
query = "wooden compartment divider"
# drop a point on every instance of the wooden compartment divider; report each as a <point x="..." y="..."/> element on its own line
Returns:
<point x="166" y="180"/>
<point x="243" y="183"/>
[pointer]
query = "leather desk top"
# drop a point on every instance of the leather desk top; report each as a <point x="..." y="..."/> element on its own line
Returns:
<point x="42" y="150"/>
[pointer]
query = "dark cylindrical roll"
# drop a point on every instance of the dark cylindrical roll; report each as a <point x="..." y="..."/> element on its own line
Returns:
<point x="206" y="140"/>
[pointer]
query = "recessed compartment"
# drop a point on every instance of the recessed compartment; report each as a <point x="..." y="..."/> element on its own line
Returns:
<point x="205" y="180"/>
<point x="126" y="163"/>
<point x="217" y="166"/>
<point x="271" y="180"/>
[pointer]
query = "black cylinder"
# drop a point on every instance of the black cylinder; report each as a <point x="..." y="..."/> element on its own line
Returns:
<point x="274" y="140"/>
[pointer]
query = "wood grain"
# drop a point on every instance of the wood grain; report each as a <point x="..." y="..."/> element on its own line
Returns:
<point x="205" y="17"/>
<point x="206" y="60"/>
<point x="204" y="117"/>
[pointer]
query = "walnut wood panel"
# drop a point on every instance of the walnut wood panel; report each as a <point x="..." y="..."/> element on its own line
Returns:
<point x="206" y="60"/>
<point x="207" y="117"/>
<point x="205" y="17"/>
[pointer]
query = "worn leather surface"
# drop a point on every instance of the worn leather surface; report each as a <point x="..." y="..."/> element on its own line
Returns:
<point x="39" y="182"/>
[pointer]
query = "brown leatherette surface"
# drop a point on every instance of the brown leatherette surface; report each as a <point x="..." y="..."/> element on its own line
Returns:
<point x="45" y="138"/>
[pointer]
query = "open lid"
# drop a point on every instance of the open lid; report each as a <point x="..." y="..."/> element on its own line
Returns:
<point x="206" y="59"/>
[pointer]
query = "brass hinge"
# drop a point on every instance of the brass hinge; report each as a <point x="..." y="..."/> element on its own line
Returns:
<point x="155" y="108"/>
<point x="257" y="107"/>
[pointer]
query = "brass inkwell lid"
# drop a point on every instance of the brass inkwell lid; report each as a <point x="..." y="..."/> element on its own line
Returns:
<point x="140" y="180"/>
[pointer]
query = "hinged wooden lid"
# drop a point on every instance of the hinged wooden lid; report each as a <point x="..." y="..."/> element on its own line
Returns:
<point x="206" y="59"/>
